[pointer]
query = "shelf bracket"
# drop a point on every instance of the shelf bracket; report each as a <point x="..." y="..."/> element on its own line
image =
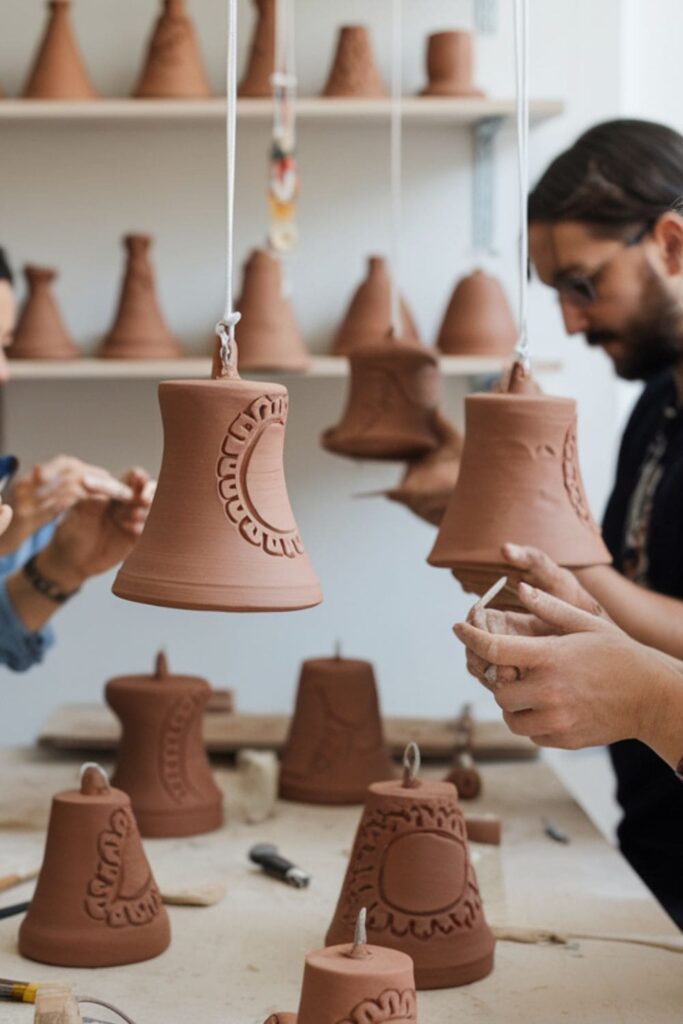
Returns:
<point x="483" y="183"/>
<point x="486" y="16"/>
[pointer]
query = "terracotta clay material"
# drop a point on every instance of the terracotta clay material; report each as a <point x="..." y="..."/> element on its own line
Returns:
<point x="221" y="535"/>
<point x="450" y="65"/>
<point x="96" y="903"/>
<point x="410" y="866"/>
<point x="367" y="320"/>
<point x="391" y="405"/>
<point x="519" y="481"/>
<point x="465" y="777"/>
<point x="335" y="747"/>
<point x="173" y="67"/>
<point x="139" y="330"/>
<point x="354" y="72"/>
<point x="269" y="335"/>
<point x="40" y="332"/>
<point x="478" y="320"/>
<point x="375" y="986"/>
<point x="485" y="829"/>
<point x="261" y="63"/>
<point x="428" y="482"/>
<point x="161" y="762"/>
<point x="58" y="71"/>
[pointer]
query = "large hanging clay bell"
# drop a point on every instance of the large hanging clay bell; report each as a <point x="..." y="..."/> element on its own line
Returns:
<point x="40" y="332"/>
<point x="161" y="763"/>
<point x="96" y="903"/>
<point x="269" y="335"/>
<point x="391" y="405"/>
<point x="173" y="67"/>
<point x="367" y="320"/>
<point x="335" y="747"/>
<point x="58" y="71"/>
<point x="428" y="482"/>
<point x="450" y="62"/>
<point x="139" y="330"/>
<point x="221" y="535"/>
<point x="354" y="73"/>
<point x="520" y="482"/>
<point x="410" y="866"/>
<point x="261" y="63"/>
<point x="478" y="320"/>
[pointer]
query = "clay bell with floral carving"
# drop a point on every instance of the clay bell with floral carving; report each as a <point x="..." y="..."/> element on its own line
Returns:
<point x="96" y="903"/>
<point x="519" y="482"/>
<point x="221" y="534"/>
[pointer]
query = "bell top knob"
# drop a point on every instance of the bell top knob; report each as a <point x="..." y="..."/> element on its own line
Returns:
<point x="94" y="780"/>
<point x="161" y="666"/>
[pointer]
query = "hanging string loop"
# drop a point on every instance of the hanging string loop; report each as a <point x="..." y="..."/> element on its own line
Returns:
<point x="396" y="146"/>
<point x="522" y="77"/>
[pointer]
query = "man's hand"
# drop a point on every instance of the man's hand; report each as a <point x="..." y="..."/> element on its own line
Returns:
<point x="539" y="570"/>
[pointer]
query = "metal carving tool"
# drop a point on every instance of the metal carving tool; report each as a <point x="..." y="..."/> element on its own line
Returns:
<point x="551" y="830"/>
<point x="267" y="857"/>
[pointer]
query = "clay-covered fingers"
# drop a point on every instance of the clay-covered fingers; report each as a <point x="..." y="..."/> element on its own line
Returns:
<point x="559" y="616"/>
<point x="6" y="514"/>
<point x="522" y="652"/>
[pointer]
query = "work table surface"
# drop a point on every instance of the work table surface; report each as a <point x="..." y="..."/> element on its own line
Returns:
<point x="242" y="959"/>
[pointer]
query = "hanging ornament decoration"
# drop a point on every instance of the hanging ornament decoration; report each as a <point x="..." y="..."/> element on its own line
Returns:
<point x="450" y="65"/>
<point x="58" y="71"/>
<point x="478" y="320"/>
<point x="221" y="534"/>
<point x="519" y="479"/>
<point x="257" y="79"/>
<point x="354" y="73"/>
<point x="269" y="335"/>
<point x="40" y="332"/>
<point x="173" y="67"/>
<point x="283" y="178"/>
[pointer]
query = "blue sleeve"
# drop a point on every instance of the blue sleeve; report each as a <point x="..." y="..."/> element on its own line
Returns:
<point x="20" y="649"/>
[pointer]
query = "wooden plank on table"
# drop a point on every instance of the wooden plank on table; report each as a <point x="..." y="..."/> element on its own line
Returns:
<point x="92" y="727"/>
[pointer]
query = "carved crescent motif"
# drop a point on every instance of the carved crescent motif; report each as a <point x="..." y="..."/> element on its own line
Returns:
<point x="105" y="900"/>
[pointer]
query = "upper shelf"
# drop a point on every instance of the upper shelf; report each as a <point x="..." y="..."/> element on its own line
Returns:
<point x="416" y="110"/>
<point x="160" y="369"/>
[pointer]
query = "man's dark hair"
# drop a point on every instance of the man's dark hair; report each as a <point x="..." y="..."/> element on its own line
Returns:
<point x="5" y="271"/>
<point x="616" y="175"/>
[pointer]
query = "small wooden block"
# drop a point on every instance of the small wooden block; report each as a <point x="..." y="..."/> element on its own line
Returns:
<point x="485" y="828"/>
<point x="55" y="1004"/>
<point x="258" y="772"/>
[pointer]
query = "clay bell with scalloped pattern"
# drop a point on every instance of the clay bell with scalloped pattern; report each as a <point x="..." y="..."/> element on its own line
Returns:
<point x="96" y="903"/>
<point x="161" y="762"/>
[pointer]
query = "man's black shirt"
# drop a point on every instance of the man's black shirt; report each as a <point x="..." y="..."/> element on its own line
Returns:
<point x="643" y="528"/>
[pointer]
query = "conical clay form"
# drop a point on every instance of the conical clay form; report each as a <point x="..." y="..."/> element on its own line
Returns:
<point x="58" y="71"/>
<point x="40" y="332"/>
<point x="139" y="330"/>
<point x="261" y="64"/>
<point x="335" y="747"/>
<point x="161" y="763"/>
<point x="221" y="534"/>
<point x="354" y="72"/>
<point x="478" y="320"/>
<point x="173" y="67"/>
<point x="391" y="405"/>
<point x="96" y="903"/>
<point x="410" y="866"/>
<point x="367" y="320"/>
<point x="269" y="336"/>
<point x="520" y="482"/>
<point x="429" y="481"/>
<point x="450" y="65"/>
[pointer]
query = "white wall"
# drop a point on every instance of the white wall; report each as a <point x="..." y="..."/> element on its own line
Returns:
<point x="67" y="195"/>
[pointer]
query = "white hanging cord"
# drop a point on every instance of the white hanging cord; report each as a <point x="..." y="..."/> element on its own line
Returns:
<point x="522" y="76"/>
<point x="396" y="145"/>
<point x="225" y="328"/>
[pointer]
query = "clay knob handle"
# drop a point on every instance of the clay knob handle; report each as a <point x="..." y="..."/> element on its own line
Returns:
<point x="94" y="781"/>
<point x="161" y="666"/>
<point x="35" y="275"/>
<point x="137" y="245"/>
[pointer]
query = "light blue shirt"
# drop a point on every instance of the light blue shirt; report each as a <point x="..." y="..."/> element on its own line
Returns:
<point x="19" y="648"/>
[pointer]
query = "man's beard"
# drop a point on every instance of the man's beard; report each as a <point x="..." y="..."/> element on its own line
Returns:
<point x="653" y="340"/>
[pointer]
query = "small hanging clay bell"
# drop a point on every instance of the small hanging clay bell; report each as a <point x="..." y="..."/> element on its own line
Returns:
<point x="96" y="903"/>
<point x="428" y="481"/>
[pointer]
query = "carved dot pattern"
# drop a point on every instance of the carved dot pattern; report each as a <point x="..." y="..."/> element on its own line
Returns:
<point x="103" y="901"/>
<point x="572" y="481"/>
<point x="399" y="1007"/>
<point x="171" y="748"/>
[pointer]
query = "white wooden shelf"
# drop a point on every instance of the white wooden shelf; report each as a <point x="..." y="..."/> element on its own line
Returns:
<point x="416" y="110"/>
<point x="160" y="369"/>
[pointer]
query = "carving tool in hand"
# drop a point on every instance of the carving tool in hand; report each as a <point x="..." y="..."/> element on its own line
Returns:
<point x="491" y="593"/>
<point x="8" y="467"/>
<point x="267" y="857"/>
<point x="551" y="830"/>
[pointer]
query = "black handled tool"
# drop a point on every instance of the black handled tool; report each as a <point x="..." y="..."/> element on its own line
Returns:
<point x="267" y="857"/>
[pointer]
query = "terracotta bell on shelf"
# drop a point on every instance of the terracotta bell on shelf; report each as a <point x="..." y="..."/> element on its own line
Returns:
<point x="269" y="335"/>
<point x="519" y="481"/>
<point x="478" y="320"/>
<point x="40" y="332"/>
<point x="367" y="319"/>
<point x="58" y="71"/>
<point x="261" y="63"/>
<point x="139" y="330"/>
<point x="221" y="535"/>
<point x="428" y="482"/>
<point x="410" y="866"/>
<point x="354" y="73"/>
<point x="96" y="903"/>
<point x="161" y="762"/>
<point x="450" y="65"/>
<point x="335" y="747"/>
<point x="355" y="983"/>
<point x="391" y="405"/>
<point x="173" y="67"/>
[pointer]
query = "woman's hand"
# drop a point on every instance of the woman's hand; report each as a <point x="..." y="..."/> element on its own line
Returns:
<point x="539" y="570"/>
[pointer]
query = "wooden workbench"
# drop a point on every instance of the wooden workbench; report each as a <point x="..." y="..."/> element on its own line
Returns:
<point x="242" y="959"/>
